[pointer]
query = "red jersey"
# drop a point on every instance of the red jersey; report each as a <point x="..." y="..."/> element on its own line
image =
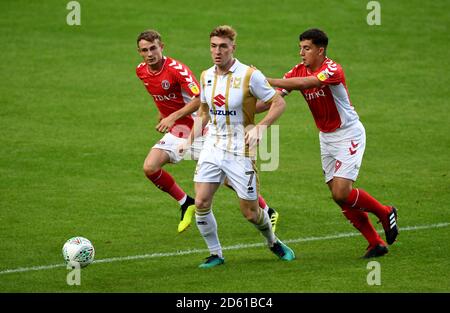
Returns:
<point x="171" y="88"/>
<point x="330" y="103"/>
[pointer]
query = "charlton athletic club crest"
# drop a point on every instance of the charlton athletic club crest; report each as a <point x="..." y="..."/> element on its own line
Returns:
<point x="165" y="84"/>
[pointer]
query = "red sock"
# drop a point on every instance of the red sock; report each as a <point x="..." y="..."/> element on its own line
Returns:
<point x="166" y="183"/>
<point x="359" y="199"/>
<point x="361" y="222"/>
<point x="262" y="203"/>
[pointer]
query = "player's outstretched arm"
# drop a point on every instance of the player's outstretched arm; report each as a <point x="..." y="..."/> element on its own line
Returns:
<point x="166" y="123"/>
<point x="295" y="83"/>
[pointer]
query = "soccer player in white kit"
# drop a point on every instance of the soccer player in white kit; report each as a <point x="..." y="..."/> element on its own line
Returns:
<point x="229" y="91"/>
<point x="176" y="92"/>
<point x="342" y="137"/>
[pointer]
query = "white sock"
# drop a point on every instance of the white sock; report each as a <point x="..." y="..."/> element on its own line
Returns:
<point x="265" y="227"/>
<point x="182" y="200"/>
<point x="207" y="226"/>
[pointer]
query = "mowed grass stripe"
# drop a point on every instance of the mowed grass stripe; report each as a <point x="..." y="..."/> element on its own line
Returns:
<point x="194" y="251"/>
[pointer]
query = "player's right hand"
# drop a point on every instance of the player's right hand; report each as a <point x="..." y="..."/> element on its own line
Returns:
<point x="164" y="125"/>
<point x="254" y="136"/>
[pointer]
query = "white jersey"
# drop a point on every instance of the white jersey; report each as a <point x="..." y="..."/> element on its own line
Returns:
<point x="232" y="104"/>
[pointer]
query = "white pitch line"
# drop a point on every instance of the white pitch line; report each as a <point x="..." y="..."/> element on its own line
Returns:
<point x="193" y="251"/>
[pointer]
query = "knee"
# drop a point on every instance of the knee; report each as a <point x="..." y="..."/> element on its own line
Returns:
<point x="202" y="204"/>
<point x="340" y="196"/>
<point x="250" y="215"/>
<point x="150" y="169"/>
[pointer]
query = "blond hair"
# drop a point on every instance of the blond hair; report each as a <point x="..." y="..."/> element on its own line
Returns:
<point x="224" y="31"/>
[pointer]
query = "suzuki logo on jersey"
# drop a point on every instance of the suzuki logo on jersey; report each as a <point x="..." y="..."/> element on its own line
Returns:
<point x="169" y="97"/>
<point x="219" y="100"/>
<point x="222" y="113"/>
<point x="315" y="94"/>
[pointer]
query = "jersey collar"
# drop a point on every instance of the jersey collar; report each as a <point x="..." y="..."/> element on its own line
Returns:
<point x="232" y="68"/>
<point x="319" y="68"/>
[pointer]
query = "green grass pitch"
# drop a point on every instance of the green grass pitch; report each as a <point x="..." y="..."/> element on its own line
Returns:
<point x="76" y="124"/>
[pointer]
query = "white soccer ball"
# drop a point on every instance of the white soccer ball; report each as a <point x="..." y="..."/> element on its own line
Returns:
<point x="78" y="250"/>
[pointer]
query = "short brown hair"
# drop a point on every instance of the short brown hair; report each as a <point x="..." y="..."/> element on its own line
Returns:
<point x="150" y="35"/>
<point x="224" y="31"/>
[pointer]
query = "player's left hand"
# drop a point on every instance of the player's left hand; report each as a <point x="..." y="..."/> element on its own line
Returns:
<point x="165" y="124"/>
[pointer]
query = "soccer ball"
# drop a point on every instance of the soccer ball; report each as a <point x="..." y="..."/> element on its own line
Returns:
<point x="78" y="250"/>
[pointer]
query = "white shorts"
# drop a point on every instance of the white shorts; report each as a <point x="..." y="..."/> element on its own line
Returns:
<point x="170" y="144"/>
<point x="215" y="164"/>
<point x="342" y="152"/>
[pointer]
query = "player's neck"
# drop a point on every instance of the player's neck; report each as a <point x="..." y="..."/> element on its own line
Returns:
<point x="222" y="70"/>
<point x="314" y="67"/>
<point x="155" y="68"/>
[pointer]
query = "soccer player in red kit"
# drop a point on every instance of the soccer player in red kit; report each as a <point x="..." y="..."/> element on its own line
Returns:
<point x="175" y="91"/>
<point x="172" y="85"/>
<point x="342" y="137"/>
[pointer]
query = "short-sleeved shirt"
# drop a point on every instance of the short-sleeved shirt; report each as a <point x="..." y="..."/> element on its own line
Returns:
<point x="171" y="88"/>
<point x="231" y="99"/>
<point x="330" y="103"/>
